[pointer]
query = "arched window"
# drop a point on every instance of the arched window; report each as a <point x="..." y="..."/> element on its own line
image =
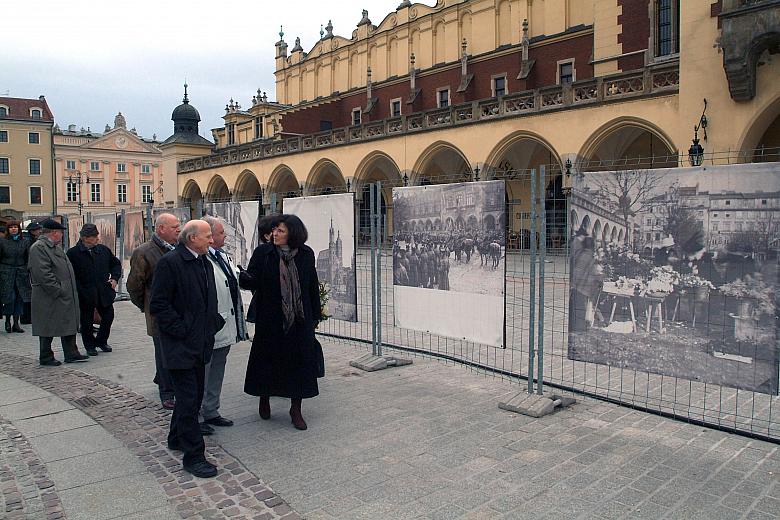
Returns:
<point x="3" y="111"/>
<point x="35" y="113"/>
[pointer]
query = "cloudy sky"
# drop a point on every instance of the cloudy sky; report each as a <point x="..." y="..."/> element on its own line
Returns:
<point x="92" y="59"/>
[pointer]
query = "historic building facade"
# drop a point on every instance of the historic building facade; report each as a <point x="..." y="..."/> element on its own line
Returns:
<point x="26" y="157"/>
<point x="105" y="172"/>
<point x="477" y="89"/>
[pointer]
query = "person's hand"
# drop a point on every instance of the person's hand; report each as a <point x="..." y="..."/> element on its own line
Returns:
<point x="113" y="284"/>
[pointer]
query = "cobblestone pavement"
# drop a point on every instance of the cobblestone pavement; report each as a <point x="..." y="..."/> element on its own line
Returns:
<point x="422" y="441"/>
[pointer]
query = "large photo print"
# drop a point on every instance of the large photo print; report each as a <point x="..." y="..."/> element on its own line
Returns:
<point x="449" y="247"/>
<point x="330" y="220"/>
<point x="240" y="222"/>
<point x="675" y="272"/>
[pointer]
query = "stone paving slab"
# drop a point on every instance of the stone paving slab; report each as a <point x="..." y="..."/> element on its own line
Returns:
<point x="113" y="498"/>
<point x="428" y="441"/>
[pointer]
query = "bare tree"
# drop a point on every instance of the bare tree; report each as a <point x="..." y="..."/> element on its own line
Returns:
<point x="631" y="190"/>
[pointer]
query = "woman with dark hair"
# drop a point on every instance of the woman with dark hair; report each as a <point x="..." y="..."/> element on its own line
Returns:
<point x="284" y="360"/>
<point x="15" y="287"/>
<point x="265" y="227"/>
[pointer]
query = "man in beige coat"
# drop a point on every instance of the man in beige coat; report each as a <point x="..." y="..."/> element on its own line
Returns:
<point x="55" y="302"/>
<point x="139" y="286"/>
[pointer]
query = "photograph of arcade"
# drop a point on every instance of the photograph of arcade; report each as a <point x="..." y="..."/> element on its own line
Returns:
<point x="676" y="273"/>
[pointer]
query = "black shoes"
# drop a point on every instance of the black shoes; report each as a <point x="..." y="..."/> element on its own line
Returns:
<point x="17" y="328"/>
<point x="106" y="348"/>
<point x="205" y="429"/>
<point x="8" y="326"/>
<point x="168" y="404"/>
<point x="264" y="408"/>
<point x="79" y="358"/>
<point x="219" y="421"/>
<point x="174" y="446"/>
<point x="202" y="469"/>
<point x="91" y="352"/>
<point x="51" y="363"/>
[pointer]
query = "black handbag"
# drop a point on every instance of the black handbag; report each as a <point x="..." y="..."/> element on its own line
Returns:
<point x="319" y="357"/>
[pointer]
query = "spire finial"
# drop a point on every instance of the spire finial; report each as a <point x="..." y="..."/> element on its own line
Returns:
<point x="281" y="33"/>
<point x="322" y="31"/>
<point x="186" y="99"/>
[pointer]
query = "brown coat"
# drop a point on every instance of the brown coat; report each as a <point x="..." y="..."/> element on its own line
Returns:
<point x="139" y="281"/>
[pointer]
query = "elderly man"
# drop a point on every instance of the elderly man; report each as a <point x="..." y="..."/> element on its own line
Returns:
<point x="231" y="308"/>
<point x="97" y="274"/>
<point x="55" y="302"/>
<point x="139" y="286"/>
<point x="184" y="305"/>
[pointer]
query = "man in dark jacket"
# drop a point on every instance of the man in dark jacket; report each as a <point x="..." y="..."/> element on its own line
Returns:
<point x="139" y="286"/>
<point x="184" y="305"/>
<point x="97" y="274"/>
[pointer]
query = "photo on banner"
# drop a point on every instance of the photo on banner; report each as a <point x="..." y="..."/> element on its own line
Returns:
<point x="236" y="230"/>
<point x="74" y="224"/>
<point x="106" y="224"/>
<point x="449" y="260"/>
<point x="675" y="272"/>
<point x="183" y="213"/>
<point x="330" y="221"/>
<point x="250" y="215"/>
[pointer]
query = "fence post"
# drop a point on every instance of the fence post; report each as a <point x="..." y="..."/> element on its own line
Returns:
<point x="372" y="250"/>
<point x="542" y="254"/>
<point x="532" y="288"/>
<point x="380" y="240"/>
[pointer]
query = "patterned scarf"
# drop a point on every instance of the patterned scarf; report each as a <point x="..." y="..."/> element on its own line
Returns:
<point x="292" y="305"/>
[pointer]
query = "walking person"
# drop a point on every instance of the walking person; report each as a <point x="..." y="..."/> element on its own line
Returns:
<point x="55" y="301"/>
<point x="14" y="282"/>
<point x="184" y="305"/>
<point x="285" y="359"/>
<point x="98" y="273"/>
<point x="231" y="308"/>
<point x="139" y="285"/>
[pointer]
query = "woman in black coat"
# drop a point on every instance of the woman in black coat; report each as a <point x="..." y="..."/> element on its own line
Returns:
<point x="15" y="289"/>
<point x="284" y="360"/>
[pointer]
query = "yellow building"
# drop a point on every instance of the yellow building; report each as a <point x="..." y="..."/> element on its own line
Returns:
<point x="484" y="89"/>
<point x="26" y="157"/>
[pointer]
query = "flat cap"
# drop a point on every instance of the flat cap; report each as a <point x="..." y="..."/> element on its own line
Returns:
<point x="33" y="226"/>
<point x="89" y="230"/>
<point x="50" y="223"/>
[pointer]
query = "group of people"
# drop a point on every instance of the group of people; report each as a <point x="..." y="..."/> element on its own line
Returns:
<point x="188" y="289"/>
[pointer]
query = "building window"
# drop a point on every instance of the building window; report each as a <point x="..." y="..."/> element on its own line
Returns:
<point x="667" y="23"/>
<point x="36" y="195"/>
<point x="566" y="72"/>
<point x="356" y="116"/>
<point x="71" y="193"/>
<point x="395" y="107"/>
<point x="499" y="86"/>
<point x="258" y="127"/>
<point x="33" y="138"/>
<point x="146" y="168"/>
<point x="728" y="203"/>
<point x="648" y="236"/>
<point x="763" y="202"/>
<point x="121" y="193"/>
<point x="443" y="98"/>
<point x="5" y="194"/>
<point x="4" y="166"/>
<point x="94" y="192"/>
<point x="3" y="136"/>
<point x="35" y="113"/>
<point x="231" y="131"/>
<point x="70" y="165"/>
<point x="94" y="166"/>
<point x="146" y="193"/>
<point x="121" y="167"/>
<point x="3" y="111"/>
<point x="35" y="166"/>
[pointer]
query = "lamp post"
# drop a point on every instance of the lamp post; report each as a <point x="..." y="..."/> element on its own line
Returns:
<point x="77" y="180"/>
<point x="696" y="151"/>
<point x="150" y="221"/>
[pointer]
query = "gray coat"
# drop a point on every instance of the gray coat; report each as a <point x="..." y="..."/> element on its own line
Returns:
<point x="55" y="302"/>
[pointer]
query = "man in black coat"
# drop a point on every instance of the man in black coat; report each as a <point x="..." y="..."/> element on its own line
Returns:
<point x="184" y="305"/>
<point x="97" y="273"/>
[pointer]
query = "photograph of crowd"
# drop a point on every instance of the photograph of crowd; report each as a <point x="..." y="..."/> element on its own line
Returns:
<point x="675" y="272"/>
<point x="330" y="220"/>
<point x="449" y="246"/>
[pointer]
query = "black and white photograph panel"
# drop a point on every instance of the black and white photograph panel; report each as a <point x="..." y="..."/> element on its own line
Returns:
<point x="330" y="220"/>
<point x="235" y="230"/>
<point x="106" y="225"/>
<point x="675" y="272"/>
<point x="250" y="214"/>
<point x="182" y="213"/>
<point x="449" y="249"/>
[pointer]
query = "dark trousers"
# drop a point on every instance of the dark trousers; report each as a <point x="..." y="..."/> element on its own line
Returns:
<point x="162" y="378"/>
<point x="88" y="336"/>
<point x="68" y="347"/>
<point x="188" y="387"/>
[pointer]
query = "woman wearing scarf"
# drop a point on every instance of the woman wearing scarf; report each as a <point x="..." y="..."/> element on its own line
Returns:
<point x="284" y="360"/>
<point x="15" y="287"/>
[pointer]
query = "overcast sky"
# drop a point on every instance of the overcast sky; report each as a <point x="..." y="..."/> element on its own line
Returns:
<point x="92" y="59"/>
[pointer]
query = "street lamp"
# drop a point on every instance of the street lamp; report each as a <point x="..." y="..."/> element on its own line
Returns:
<point x="696" y="151"/>
<point x="77" y="180"/>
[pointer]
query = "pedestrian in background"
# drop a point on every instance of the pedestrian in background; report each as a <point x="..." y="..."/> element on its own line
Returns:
<point x="139" y="285"/>
<point x="33" y="232"/>
<point x="184" y="305"/>
<point x="231" y="308"/>
<point x="284" y="360"/>
<point x="55" y="301"/>
<point x="265" y="227"/>
<point x="98" y="273"/>
<point x="14" y="280"/>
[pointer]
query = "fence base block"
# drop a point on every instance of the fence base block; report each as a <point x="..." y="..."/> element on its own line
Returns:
<point x="536" y="405"/>
<point x="371" y="363"/>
